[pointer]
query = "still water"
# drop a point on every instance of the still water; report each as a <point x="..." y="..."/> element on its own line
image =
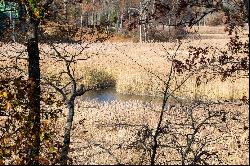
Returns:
<point x="110" y="94"/>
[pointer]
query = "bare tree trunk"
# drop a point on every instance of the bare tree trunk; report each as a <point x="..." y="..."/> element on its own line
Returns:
<point x="140" y="26"/>
<point x="96" y="18"/>
<point x="82" y="12"/>
<point x="66" y="10"/>
<point x="157" y="132"/>
<point x="121" y="22"/>
<point x="246" y="2"/>
<point x="12" y="22"/>
<point x="117" y="22"/>
<point x="34" y="92"/>
<point x="166" y="95"/>
<point x="145" y="33"/>
<point x="93" y="18"/>
<point x="140" y="22"/>
<point x="69" y="102"/>
<point x="68" y="126"/>
<point x="108" y="23"/>
<point x="87" y="21"/>
<point x="81" y="21"/>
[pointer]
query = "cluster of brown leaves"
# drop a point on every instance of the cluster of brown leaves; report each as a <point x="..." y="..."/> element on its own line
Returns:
<point x="230" y="62"/>
<point x="16" y="138"/>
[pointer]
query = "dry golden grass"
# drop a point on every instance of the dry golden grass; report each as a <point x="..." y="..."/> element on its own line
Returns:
<point x="208" y="30"/>
<point x="110" y="128"/>
<point x="109" y="133"/>
<point x="214" y="30"/>
<point x="118" y="63"/>
<point x="119" y="38"/>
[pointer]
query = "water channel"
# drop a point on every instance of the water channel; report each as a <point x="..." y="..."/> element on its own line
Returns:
<point x="110" y="94"/>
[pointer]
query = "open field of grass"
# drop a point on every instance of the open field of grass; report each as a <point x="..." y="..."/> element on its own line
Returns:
<point x="139" y="68"/>
<point x="120" y="132"/>
<point x="215" y="29"/>
<point x="116" y="133"/>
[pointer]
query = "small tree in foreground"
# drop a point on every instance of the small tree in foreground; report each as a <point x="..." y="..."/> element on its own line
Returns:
<point x="68" y="95"/>
<point x="66" y="82"/>
<point x="34" y="14"/>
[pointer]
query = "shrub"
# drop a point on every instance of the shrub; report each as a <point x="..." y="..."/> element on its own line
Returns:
<point x="98" y="78"/>
<point x="168" y="34"/>
<point x="215" y="19"/>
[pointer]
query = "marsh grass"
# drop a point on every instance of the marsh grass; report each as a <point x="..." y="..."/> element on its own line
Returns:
<point x="138" y="69"/>
<point x="99" y="78"/>
<point x="110" y="132"/>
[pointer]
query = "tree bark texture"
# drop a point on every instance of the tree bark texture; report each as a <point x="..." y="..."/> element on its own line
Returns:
<point x="67" y="130"/>
<point x="246" y="2"/>
<point x="34" y="92"/>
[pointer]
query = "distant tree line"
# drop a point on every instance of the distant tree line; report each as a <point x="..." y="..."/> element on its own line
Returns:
<point x="146" y="17"/>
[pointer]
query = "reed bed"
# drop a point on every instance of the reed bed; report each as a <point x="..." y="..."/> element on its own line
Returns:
<point x="137" y="68"/>
<point x="141" y="69"/>
<point x="211" y="30"/>
<point x="108" y="132"/>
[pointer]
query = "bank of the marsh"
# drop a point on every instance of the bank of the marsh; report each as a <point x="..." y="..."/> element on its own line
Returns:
<point x="137" y="68"/>
<point x="140" y="68"/>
